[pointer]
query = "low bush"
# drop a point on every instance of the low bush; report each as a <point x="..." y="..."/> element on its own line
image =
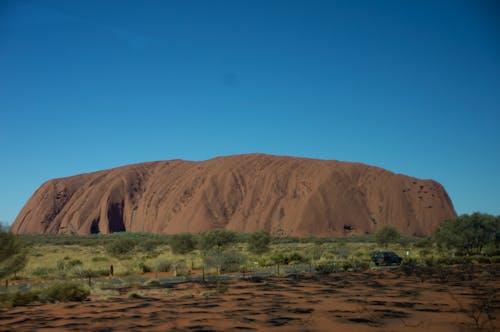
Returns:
<point x="149" y="245"/>
<point x="481" y="259"/>
<point x="86" y="273"/>
<point x="67" y="264"/>
<point x="74" y="262"/>
<point x="346" y="265"/>
<point x="64" y="292"/>
<point x="21" y="298"/>
<point x="43" y="271"/>
<point x="182" y="243"/>
<point x="135" y="296"/>
<point x="232" y="262"/>
<point x="327" y="268"/>
<point x="285" y="259"/>
<point x="360" y="265"/>
<point x="495" y="259"/>
<point x="226" y="261"/>
<point x="58" y="292"/>
<point x="121" y="246"/>
<point x="258" y="243"/>
<point x="100" y="259"/>
<point x="143" y="267"/>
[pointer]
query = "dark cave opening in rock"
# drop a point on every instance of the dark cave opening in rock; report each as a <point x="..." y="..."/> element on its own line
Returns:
<point x="115" y="218"/>
<point x="94" y="227"/>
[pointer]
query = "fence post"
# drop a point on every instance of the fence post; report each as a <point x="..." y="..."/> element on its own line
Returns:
<point x="203" y="272"/>
<point x="111" y="270"/>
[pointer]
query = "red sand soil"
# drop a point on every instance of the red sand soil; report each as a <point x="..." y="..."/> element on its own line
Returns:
<point x="369" y="301"/>
<point x="244" y="193"/>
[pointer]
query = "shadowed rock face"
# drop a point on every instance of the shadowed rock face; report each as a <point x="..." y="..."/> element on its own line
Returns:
<point x="244" y="193"/>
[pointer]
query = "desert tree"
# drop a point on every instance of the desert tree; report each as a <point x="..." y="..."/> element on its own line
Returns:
<point x="213" y="245"/>
<point x="13" y="255"/>
<point x="121" y="246"/>
<point x="469" y="234"/>
<point x="386" y="235"/>
<point x="182" y="243"/>
<point x="217" y="239"/>
<point x="258" y="243"/>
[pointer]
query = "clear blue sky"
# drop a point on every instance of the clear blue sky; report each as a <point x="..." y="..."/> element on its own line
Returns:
<point x="411" y="86"/>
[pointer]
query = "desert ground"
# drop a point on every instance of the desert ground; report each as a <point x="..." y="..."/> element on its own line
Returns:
<point x="374" y="300"/>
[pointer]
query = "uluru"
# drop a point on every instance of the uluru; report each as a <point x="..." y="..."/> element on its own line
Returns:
<point x="285" y="196"/>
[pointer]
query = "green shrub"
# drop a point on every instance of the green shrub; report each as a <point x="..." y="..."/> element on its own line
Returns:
<point x="295" y="258"/>
<point x="386" y="235"/>
<point x="425" y="252"/>
<point x="469" y="234"/>
<point x="100" y="259"/>
<point x="285" y="240"/>
<point x="58" y="292"/>
<point x="64" y="292"/>
<point x="263" y="261"/>
<point x="230" y="261"/>
<point x="143" y="267"/>
<point x="182" y="243"/>
<point x="74" y="262"/>
<point x="341" y="250"/>
<point x="327" y="268"/>
<point x="85" y="273"/>
<point x="13" y="255"/>
<point x="495" y="259"/>
<point x="22" y="298"/>
<point x="360" y="265"/>
<point x="315" y="252"/>
<point x="149" y="245"/>
<point x="43" y="271"/>
<point x="285" y="259"/>
<point x="481" y="259"/>
<point x="346" y="265"/>
<point x="424" y="243"/>
<point x="121" y="246"/>
<point x="67" y="263"/>
<point x="217" y="239"/>
<point x="258" y="243"/>
<point x="135" y="296"/>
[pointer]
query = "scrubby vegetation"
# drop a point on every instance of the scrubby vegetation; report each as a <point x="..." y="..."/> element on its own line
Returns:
<point x="473" y="234"/>
<point x="85" y="260"/>
<point x="13" y="255"/>
<point x="386" y="235"/>
<point x="56" y="292"/>
<point x="182" y="243"/>
<point x="258" y="243"/>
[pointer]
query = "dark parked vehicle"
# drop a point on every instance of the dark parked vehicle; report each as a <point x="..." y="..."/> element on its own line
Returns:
<point x="386" y="258"/>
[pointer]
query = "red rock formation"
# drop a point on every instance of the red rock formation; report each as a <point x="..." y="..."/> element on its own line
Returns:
<point x="244" y="193"/>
